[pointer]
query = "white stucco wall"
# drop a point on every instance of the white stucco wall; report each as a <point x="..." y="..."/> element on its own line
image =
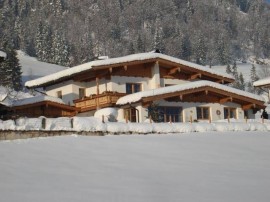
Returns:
<point x="164" y="82"/>
<point x="70" y="90"/>
<point x="118" y="83"/>
<point x="154" y="82"/>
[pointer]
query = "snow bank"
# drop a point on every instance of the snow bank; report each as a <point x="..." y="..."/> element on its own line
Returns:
<point x="29" y="124"/>
<point x="62" y="123"/>
<point x="7" y="125"/>
<point x="93" y="124"/>
<point x="109" y="114"/>
<point x="88" y="124"/>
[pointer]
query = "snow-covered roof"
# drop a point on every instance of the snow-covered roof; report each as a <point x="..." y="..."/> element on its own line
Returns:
<point x="262" y="82"/>
<point x="3" y="54"/>
<point x="135" y="97"/>
<point x="111" y="61"/>
<point x="37" y="99"/>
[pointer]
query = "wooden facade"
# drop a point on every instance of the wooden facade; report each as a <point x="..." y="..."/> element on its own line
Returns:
<point x="46" y="108"/>
<point x="106" y="99"/>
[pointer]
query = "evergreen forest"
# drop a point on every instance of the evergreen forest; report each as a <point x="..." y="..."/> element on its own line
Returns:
<point x="68" y="32"/>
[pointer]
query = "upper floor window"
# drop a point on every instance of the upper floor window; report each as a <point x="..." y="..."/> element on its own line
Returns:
<point x="133" y="88"/>
<point x="202" y="112"/>
<point x="81" y="93"/>
<point x="59" y="94"/>
<point x="229" y="112"/>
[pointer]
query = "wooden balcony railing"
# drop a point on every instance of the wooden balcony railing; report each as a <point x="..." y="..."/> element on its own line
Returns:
<point x="106" y="99"/>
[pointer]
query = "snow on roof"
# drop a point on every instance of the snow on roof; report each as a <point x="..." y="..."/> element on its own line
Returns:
<point x="262" y="82"/>
<point x="3" y="54"/>
<point x="135" y="57"/>
<point x="135" y="97"/>
<point x="37" y="99"/>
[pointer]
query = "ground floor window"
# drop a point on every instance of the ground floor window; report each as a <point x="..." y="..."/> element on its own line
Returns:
<point x="229" y="112"/>
<point x="203" y="113"/>
<point x="130" y="114"/>
<point x="166" y="114"/>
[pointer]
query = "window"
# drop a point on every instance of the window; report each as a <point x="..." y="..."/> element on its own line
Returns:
<point x="59" y="94"/>
<point x="202" y="113"/>
<point x="166" y="114"/>
<point x="81" y="93"/>
<point x="229" y="112"/>
<point x="130" y="114"/>
<point x="133" y="88"/>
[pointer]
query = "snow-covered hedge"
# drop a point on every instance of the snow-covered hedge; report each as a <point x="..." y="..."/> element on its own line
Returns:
<point x="93" y="124"/>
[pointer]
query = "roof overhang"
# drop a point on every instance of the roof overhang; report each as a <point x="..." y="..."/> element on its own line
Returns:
<point x="46" y="104"/>
<point x="199" y="91"/>
<point x="263" y="83"/>
<point x="104" y="67"/>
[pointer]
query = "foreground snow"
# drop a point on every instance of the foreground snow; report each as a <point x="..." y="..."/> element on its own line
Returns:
<point x="181" y="167"/>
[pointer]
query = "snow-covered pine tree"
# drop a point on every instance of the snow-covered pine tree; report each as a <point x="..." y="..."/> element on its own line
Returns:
<point x="43" y="43"/>
<point x="60" y="49"/>
<point x="140" y="44"/>
<point x="242" y="85"/>
<point x="131" y="49"/>
<point x="236" y="83"/>
<point x="186" y="50"/>
<point x="253" y="77"/>
<point x="199" y="50"/>
<point x="235" y="71"/>
<point x="10" y="70"/>
<point x="228" y="69"/>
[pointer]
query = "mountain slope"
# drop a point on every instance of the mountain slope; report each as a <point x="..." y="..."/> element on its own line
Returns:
<point x="69" y="33"/>
<point x="32" y="68"/>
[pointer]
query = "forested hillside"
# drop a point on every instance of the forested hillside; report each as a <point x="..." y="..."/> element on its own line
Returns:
<point x="69" y="32"/>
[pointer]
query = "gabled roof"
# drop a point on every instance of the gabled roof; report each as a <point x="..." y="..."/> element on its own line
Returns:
<point x="262" y="82"/>
<point x="100" y="64"/>
<point x="36" y="99"/>
<point x="41" y="100"/>
<point x="225" y="94"/>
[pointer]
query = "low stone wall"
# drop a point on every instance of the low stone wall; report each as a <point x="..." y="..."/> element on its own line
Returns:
<point x="13" y="135"/>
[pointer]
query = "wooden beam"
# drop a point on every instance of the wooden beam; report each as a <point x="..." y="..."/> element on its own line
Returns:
<point x="220" y="81"/>
<point x="248" y="106"/>
<point x="174" y="70"/>
<point x="226" y="99"/>
<point x="97" y="84"/>
<point x="195" y="76"/>
<point x="181" y="97"/>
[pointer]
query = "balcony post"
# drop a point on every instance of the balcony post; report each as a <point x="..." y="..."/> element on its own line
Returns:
<point x="97" y="98"/>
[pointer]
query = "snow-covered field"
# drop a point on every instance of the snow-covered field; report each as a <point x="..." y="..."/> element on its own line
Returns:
<point x="232" y="166"/>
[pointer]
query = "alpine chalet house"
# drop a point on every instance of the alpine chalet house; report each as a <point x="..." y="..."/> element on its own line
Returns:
<point x="181" y="91"/>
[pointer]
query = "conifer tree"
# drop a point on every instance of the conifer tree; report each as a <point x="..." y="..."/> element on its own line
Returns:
<point x="253" y="77"/>
<point x="228" y="69"/>
<point x="242" y="85"/>
<point x="140" y="45"/>
<point x="10" y="70"/>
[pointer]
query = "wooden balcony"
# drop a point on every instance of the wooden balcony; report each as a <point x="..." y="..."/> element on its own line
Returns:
<point x="106" y="99"/>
